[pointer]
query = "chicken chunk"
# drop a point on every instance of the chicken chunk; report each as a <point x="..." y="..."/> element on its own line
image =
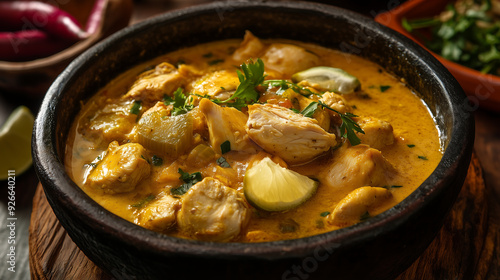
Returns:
<point x="378" y="133"/>
<point x="121" y="169"/>
<point x="361" y="202"/>
<point x="251" y="47"/>
<point x="161" y="214"/>
<point x="226" y="124"/>
<point x="288" y="59"/>
<point x="357" y="166"/>
<point x="213" y="212"/>
<point x="108" y="122"/>
<point x="286" y="134"/>
<point x="152" y="85"/>
<point x="220" y="84"/>
<point x="336" y="102"/>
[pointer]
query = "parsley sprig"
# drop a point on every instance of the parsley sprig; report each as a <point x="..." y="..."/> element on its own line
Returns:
<point x="182" y="103"/>
<point x="348" y="126"/>
<point x="252" y="76"/>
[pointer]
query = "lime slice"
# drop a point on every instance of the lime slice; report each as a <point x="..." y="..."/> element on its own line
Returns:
<point x="271" y="187"/>
<point x="15" y="142"/>
<point x="328" y="79"/>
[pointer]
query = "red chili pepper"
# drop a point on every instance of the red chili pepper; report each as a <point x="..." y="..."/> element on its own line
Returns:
<point x="95" y="17"/>
<point x="29" y="44"/>
<point x="25" y="15"/>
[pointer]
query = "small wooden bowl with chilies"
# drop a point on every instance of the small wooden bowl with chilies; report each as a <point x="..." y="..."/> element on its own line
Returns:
<point x="33" y="77"/>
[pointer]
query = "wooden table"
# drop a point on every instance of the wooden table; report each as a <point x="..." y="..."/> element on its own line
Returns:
<point x="483" y="261"/>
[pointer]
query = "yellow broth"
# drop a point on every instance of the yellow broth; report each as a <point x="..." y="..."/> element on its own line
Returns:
<point x="414" y="154"/>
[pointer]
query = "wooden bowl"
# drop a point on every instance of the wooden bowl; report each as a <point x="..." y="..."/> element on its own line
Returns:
<point x="483" y="89"/>
<point x="380" y="248"/>
<point x="33" y="78"/>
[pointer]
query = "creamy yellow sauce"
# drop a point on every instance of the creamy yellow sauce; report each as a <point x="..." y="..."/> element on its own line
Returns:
<point x="415" y="153"/>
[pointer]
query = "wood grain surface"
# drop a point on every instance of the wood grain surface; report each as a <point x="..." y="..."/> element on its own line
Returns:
<point x="467" y="247"/>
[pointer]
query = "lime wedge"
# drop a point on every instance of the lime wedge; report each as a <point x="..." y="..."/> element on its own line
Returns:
<point x="15" y="142"/>
<point x="270" y="187"/>
<point x="328" y="79"/>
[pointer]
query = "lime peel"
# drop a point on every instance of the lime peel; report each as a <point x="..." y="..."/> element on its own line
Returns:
<point x="270" y="187"/>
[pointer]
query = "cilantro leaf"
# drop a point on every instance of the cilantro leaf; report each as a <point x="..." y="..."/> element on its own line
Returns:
<point x="225" y="147"/>
<point x="181" y="103"/>
<point x="222" y="162"/>
<point x="136" y="107"/>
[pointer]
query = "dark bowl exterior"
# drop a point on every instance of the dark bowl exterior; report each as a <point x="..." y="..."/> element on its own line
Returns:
<point x="379" y="248"/>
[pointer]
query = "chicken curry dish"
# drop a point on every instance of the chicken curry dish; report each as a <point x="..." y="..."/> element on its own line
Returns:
<point x="252" y="140"/>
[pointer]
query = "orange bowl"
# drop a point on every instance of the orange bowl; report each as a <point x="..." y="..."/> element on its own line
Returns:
<point x="483" y="90"/>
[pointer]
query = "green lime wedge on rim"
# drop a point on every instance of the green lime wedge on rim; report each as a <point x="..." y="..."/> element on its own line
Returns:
<point x="15" y="142"/>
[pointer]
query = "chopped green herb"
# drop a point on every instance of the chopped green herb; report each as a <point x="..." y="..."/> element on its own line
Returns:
<point x="396" y="186"/>
<point x="348" y="126"/>
<point x="157" y="161"/>
<point x="324" y="214"/>
<point x="384" y="88"/>
<point x="365" y="216"/>
<point x="136" y="107"/>
<point x="144" y="201"/>
<point x="222" y="88"/>
<point x="215" y="61"/>
<point x="410" y="145"/>
<point x="295" y="110"/>
<point x="310" y="109"/>
<point x="144" y="158"/>
<point x="422" y="157"/>
<point x="208" y="55"/>
<point x="225" y="147"/>
<point x="181" y="103"/>
<point x="188" y="179"/>
<point x="222" y="162"/>
<point x="354" y="107"/>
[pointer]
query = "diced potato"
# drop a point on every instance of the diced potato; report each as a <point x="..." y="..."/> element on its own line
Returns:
<point x="168" y="135"/>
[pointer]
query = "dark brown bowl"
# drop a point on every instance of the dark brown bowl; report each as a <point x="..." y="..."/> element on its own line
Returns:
<point x="379" y="248"/>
